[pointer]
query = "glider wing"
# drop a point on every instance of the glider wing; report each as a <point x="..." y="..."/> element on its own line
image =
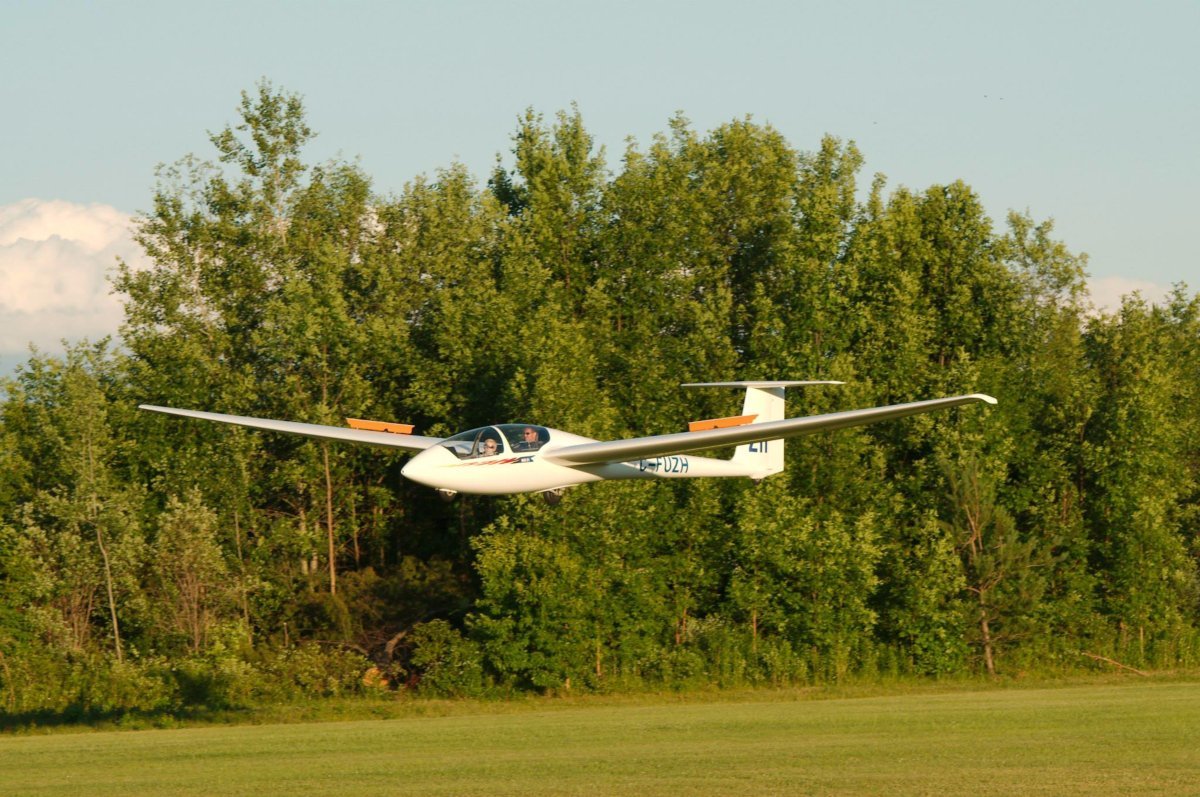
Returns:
<point x="409" y="442"/>
<point x="686" y="442"/>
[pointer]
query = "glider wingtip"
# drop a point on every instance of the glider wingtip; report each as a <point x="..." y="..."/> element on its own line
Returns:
<point x="985" y="398"/>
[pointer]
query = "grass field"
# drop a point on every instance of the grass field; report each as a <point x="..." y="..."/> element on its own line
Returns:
<point x="1127" y="738"/>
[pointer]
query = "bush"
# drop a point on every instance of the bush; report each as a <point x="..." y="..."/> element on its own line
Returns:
<point x="310" y="670"/>
<point x="445" y="663"/>
<point x="44" y="685"/>
<point x="777" y="664"/>
<point x="724" y="648"/>
<point x="216" y="682"/>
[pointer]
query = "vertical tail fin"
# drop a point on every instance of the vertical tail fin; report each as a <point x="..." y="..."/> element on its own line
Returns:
<point x="765" y="401"/>
<point x="765" y="458"/>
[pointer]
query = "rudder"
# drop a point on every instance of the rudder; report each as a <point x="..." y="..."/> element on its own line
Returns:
<point x="764" y="458"/>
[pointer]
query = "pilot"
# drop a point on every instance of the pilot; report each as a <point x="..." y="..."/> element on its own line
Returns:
<point x="529" y="440"/>
<point x="488" y="448"/>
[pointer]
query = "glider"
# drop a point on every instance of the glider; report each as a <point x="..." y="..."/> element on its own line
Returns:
<point x="522" y="458"/>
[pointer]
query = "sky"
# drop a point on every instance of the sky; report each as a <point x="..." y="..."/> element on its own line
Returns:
<point x="1086" y="113"/>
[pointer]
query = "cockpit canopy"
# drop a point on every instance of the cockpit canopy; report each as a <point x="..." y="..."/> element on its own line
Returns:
<point x="489" y="441"/>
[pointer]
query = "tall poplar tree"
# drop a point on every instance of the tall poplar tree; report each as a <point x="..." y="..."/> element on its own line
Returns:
<point x="1139" y="454"/>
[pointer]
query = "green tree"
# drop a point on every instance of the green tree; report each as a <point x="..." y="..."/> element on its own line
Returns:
<point x="922" y="607"/>
<point x="79" y="522"/>
<point x="1138" y="454"/>
<point x="806" y="577"/>
<point x="533" y="618"/>
<point x="1002" y="571"/>
<point x="191" y="572"/>
<point x="554" y="194"/>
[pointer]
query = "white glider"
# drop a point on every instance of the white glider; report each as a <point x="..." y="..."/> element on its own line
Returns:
<point x="521" y="458"/>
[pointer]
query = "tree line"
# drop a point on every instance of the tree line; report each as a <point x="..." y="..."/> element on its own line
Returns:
<point x="148" y="563"/>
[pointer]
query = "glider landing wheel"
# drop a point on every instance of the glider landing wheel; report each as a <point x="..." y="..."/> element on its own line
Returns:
<point x="553" y="497"/>
<point x="447" y="495"/>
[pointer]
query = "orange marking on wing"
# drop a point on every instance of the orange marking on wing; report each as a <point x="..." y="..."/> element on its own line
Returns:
<point x="720" y="423"/>
<point x="380" y="426"/>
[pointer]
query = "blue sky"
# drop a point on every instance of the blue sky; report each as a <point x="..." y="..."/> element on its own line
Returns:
<point x="1085" y="112"/>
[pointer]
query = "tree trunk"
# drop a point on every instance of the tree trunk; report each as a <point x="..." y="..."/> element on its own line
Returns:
<point x="986" y="635"/>
<point x="354" y="528"/>
<point x="108" y="583"/>
<point x="237" y="539"/>
<point x="94" y="517"/>
<point x="329" y="522"/>
<point x="681" y="628"/>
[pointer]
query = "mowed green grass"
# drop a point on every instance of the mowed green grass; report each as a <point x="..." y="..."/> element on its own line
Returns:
<point x="1096" y="739"/>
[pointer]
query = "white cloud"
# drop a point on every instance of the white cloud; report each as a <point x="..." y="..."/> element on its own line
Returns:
<point x="55" y="258"/>
<point x="1106" y="292"/>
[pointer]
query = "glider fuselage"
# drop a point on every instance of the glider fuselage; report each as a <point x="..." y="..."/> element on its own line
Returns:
<point x="467" y="463"/>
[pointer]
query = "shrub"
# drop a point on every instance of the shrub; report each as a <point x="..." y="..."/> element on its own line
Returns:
<point x="446" y="663"/>
<point x="310" y="670"/>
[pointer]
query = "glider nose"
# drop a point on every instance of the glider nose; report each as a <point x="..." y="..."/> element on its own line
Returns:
<point x="421" y="468"/>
